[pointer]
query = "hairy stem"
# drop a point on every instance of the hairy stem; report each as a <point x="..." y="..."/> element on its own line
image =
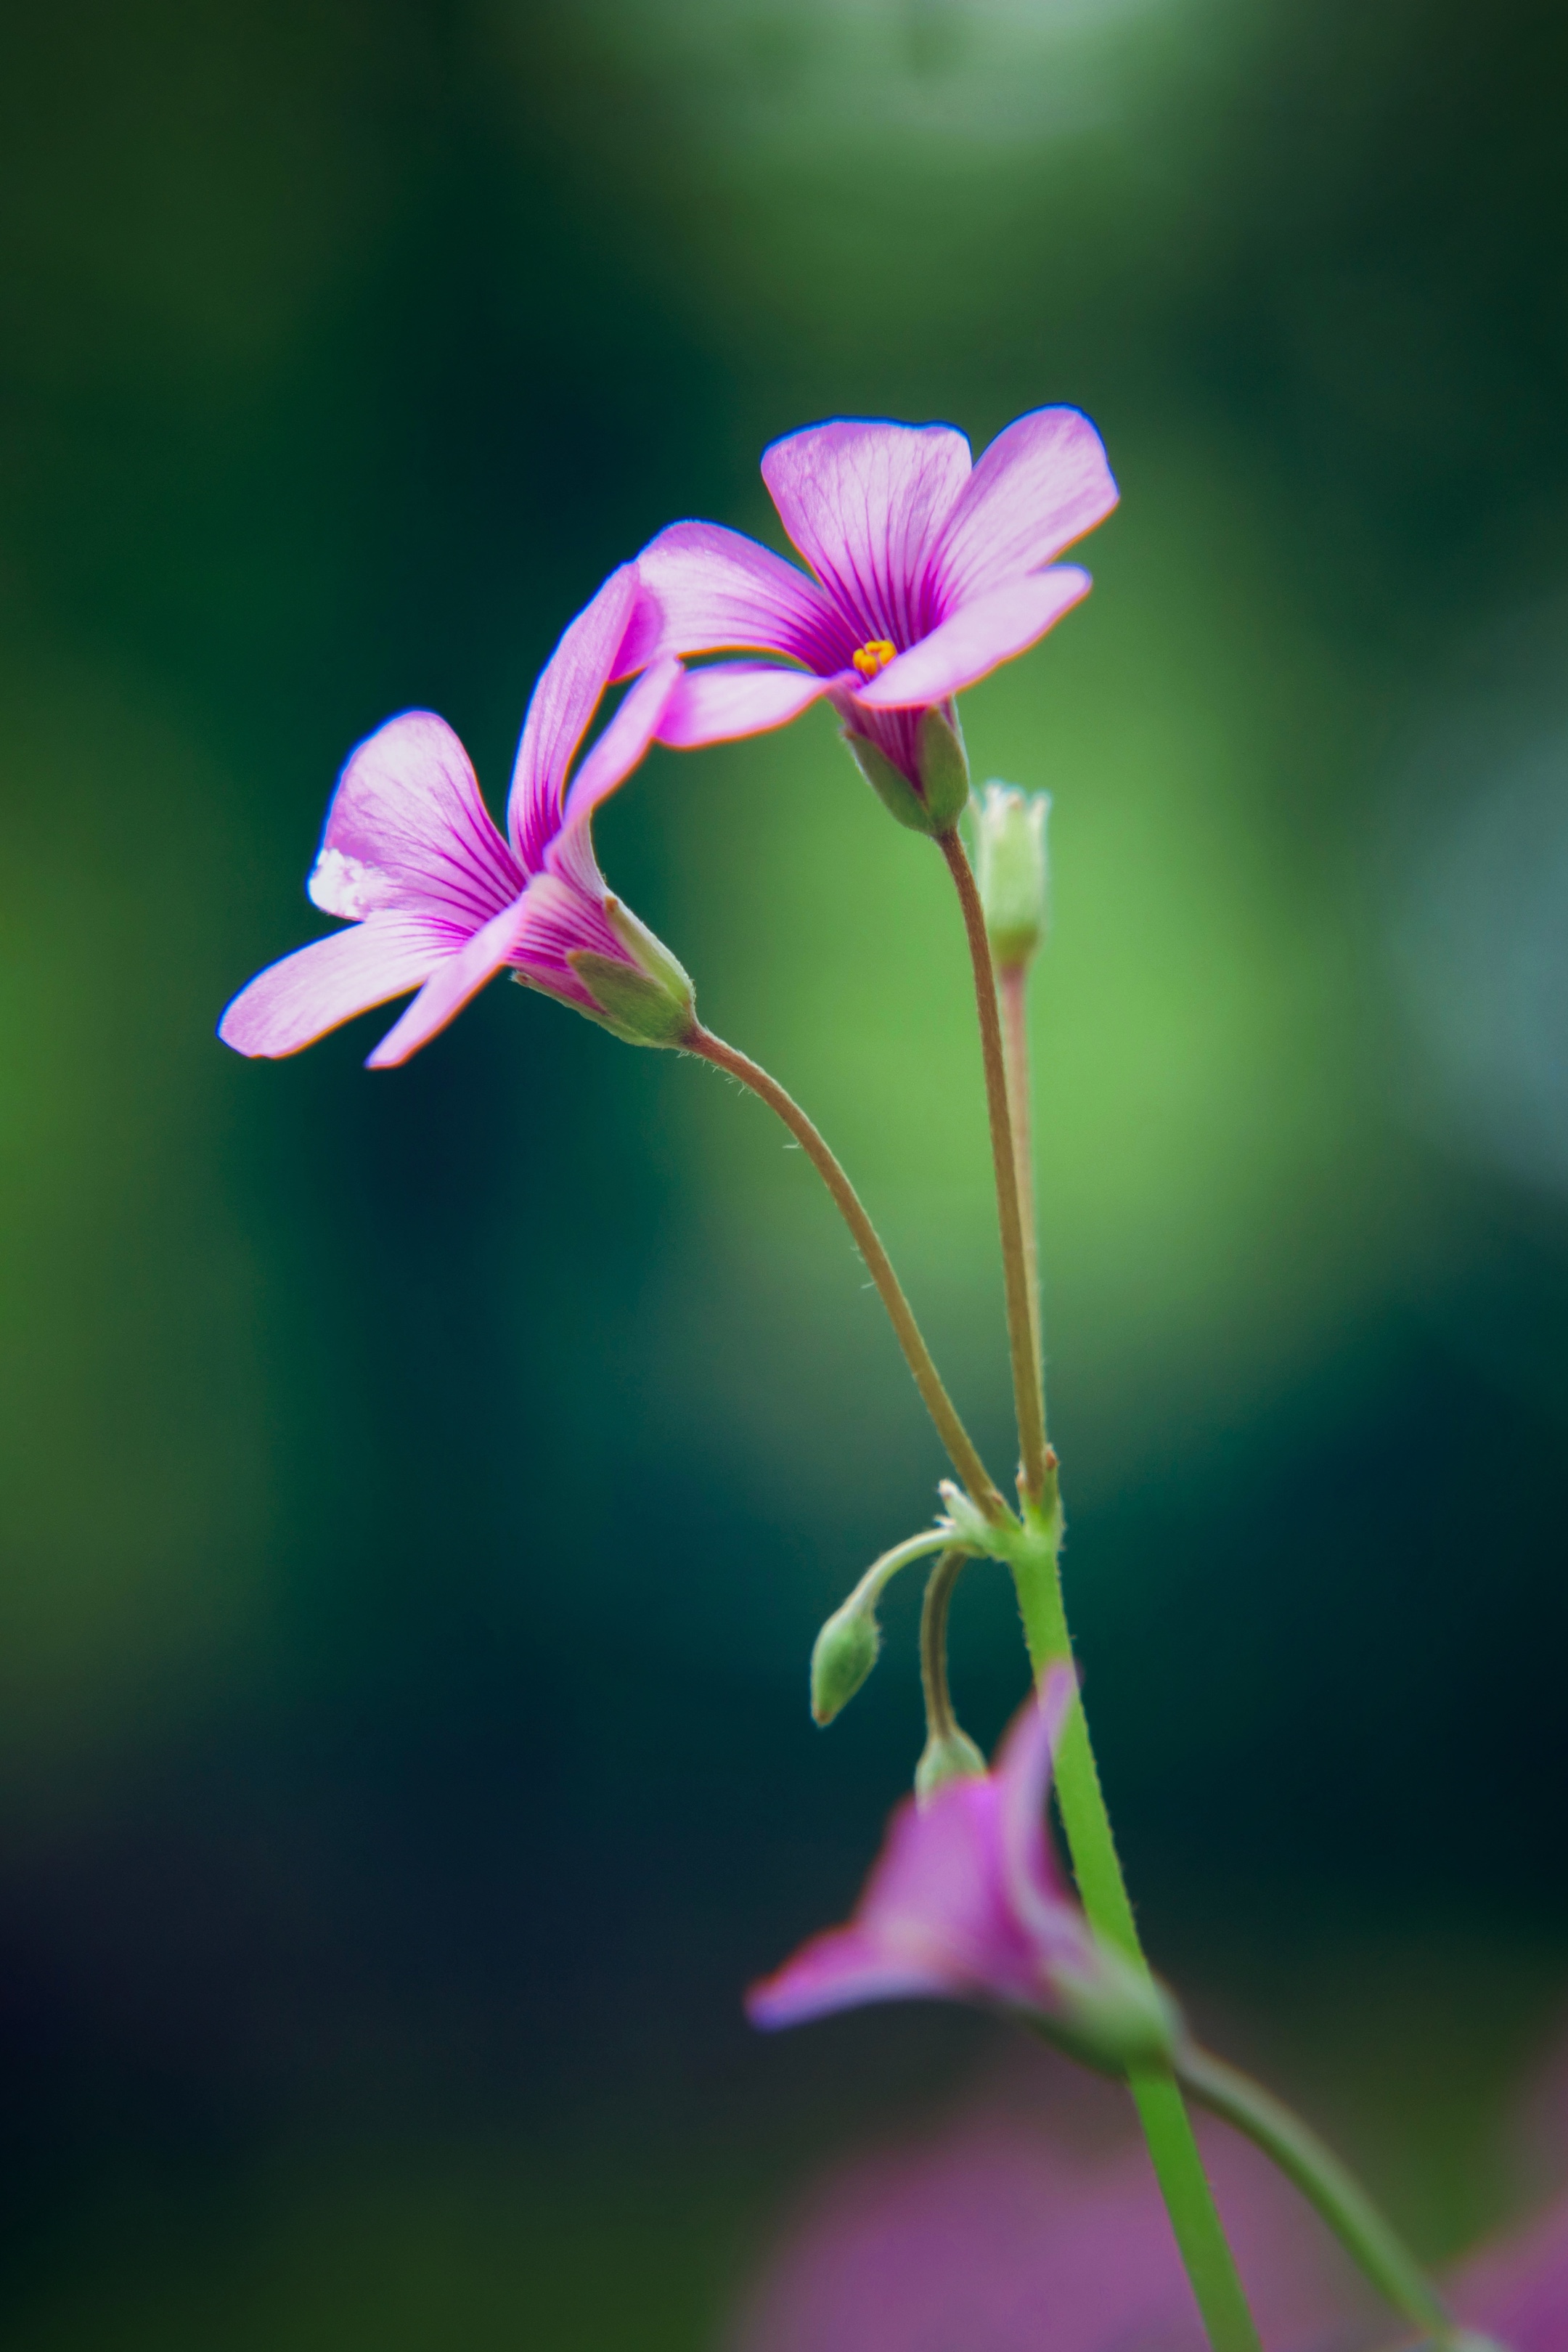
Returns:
<point x="961" y="1447"/>
<point x="1014" y="1262"/>
<point x="1015" y="988"/>
<point x="1324" y="2182"/>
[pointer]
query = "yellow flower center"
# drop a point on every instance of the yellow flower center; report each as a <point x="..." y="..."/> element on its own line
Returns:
<point x="875" y="655"/>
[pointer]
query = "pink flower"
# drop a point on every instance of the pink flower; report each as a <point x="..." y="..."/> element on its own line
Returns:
<point x="967" y="1902"/>
<point x="928" y="572"/>
<point x="1516" y="2291"/>
<point x="1033" y="2224"/>
<point x="439" y="902"/>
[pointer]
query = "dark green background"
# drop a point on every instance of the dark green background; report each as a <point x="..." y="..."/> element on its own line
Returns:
<point x="420" y="1491"/>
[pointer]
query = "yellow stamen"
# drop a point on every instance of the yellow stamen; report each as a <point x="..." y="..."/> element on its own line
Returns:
<point x="875" y="655"/>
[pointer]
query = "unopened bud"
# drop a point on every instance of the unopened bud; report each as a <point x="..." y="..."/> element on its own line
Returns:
<point x="649" y="999"/>
<point x="843" y="1656"/>
<point x="1010" y="870"/>
<point x="949" y="1755"/>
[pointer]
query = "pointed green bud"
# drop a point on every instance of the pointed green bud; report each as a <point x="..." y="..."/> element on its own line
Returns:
<point x="843" y="1656"/>
<point x="1010" y="870"/>
<point x="647" y="1001"/>
<point x="944" y="771"/>
<point x="948" y="1756"/>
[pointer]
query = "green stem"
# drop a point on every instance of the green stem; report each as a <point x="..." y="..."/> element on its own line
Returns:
<point x="941" y="1723"/>
<point x="1015" y="986"/>
<point x="1014" y="1264"/>
<point x="1167" y="2128"/>
<point x="961" y="1447"/>
<point x="1323" y="2181"/>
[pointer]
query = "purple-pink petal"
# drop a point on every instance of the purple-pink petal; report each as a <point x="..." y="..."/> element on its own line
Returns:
<point x="564" y="911"/>
<point x="865" y="502"/>
<point x="407" y="829"/>
<point x="1037" y="1887"/>
<point x="731" y="699"/>
<point x="622" y="744"/>
<point x="449" y="987"/>
<point x="707" y="590"/>
<point x="297" y="1000"/>
<point x="563" y="702"/>
<point x="975" y="639"/>
<point x="1041" y="485"/>
<point x="1518" y="2291"/>
<point x="847" y="1968"/>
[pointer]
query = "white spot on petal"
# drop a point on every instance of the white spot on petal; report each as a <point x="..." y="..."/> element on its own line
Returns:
<point x="343" y="886"/>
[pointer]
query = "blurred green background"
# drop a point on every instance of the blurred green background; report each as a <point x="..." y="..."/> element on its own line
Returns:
<point x="420" y="1491"/>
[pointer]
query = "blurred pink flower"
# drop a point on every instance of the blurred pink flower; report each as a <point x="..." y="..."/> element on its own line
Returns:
<point x="928" y="572"/>
<point x="436" y="899"/>
<point x="1021" y="2231"/>
<point x="966" y="1901"/>
<point x="1516" y="2291"/>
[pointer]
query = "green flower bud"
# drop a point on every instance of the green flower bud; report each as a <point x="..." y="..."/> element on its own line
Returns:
<point x="948" y="1756"/>
<point x="843" y="1656"/>
<point x="1010" y="870"/>
<point x="649" y="999"/>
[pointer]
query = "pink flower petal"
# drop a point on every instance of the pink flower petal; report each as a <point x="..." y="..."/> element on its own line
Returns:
<point x="731" y="699"/>
<point x="1042" y="484"/>
<point x="293" y="1002"/>
<point x="622" y="743"/>
<point x="564" y="700"/>
<point x="1036" y="1888"/>
<point x="709" y="591"/>
<point x="975" y="639"/>
<point x="408" y="829"/>
<point x="449" y="987"/>
<point x="865" y="502"/>
<point x="566" y="911"/>
<point x="844" y="1968"/>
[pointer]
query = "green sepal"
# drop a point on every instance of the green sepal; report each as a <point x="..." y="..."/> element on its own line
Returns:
<point x="948" y="1756"/>
<point x="631" y="1006"/>
<point x="944" y="772"/>
<point x="1116" y="2013"/>
<point x="842" y="1656"/>
<point x="895" y="792"/>
<point x="649" y="1005"/>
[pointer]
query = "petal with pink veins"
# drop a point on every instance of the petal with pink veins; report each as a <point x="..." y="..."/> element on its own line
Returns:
<point x="563" y="702"/>
<point x="865" y="502"/>
<point x="708" y="590"/>
<point x="1042" y="484"/>
<point x="974" y="639"/>
<point x="293" y="1002"/>
<point x="622" y="743"/>
<point x="449" y="987"/>
<point x="731" y="699"/>
<point x="408" y="830"/>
